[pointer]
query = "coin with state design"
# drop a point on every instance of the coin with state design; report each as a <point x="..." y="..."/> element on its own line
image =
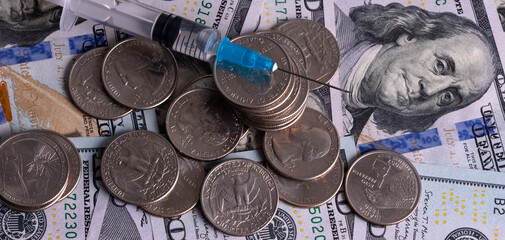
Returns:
<point x="310" y="193"/>
<point x="206" y="81"/>
<point x="86" y="88"/>
<point x="306" y="150"/>
<point x="319" y="46"/>
<point x="239" y="197"/>
<point x="202" y="125"/>
<point x="250" y="88"/>
<point x="34" y="170"/>
<point x="186" y="192"/>
<point x="74" y="160"/>
<point x="139" y="167"/>
<point x="383" y="187"/>
<point x="139" y="73"/>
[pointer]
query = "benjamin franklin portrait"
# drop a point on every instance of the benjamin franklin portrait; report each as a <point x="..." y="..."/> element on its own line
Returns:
<point x="405" y="67"/>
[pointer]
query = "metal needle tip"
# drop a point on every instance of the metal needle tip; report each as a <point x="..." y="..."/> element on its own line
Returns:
<point x="313" y="80"/>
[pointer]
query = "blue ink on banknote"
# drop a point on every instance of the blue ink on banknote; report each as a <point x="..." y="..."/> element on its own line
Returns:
<point x="18" y="55"/>
<point x="405" y="143"/>
<point x="79" y="44"/>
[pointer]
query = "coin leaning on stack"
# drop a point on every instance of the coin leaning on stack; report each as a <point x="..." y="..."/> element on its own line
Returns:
<point x="106" y="84"/>
<point x="39" y="168"/>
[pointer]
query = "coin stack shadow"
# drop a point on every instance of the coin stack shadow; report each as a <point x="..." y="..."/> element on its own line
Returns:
<point x="39" y="169"/>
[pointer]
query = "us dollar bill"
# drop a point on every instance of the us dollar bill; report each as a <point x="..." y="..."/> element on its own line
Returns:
<point x="469" y="137"/>
<point x="229" y="17"/>
<point x="71" y="217"/>
<point x="114" y="219"/>
<point x="275" y="12"/>
<point x="34" y="68"/>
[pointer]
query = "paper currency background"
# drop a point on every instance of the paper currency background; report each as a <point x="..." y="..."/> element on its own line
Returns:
<point x="456" y="202"/>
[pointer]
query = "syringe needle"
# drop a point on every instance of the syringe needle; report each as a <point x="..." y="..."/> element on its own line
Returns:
<point x="313" y="80"/>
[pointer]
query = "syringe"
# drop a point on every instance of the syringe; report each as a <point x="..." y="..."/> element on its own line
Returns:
<point x="176" y="33"/>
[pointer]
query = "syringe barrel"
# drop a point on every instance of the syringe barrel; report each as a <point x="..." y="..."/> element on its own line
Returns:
<point x="124" y="15"/>
<point x="130" y="16"/>
<point x="187" y="37"/>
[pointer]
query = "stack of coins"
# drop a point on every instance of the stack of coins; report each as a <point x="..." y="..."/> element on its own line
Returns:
<point x="383" y="187"/>
<point x="265" y="101"/>
<point x="304" y="160"/>
<point x="275" y="101"/>
<point x="39" y="168"/>
<point x="135" y="74"/>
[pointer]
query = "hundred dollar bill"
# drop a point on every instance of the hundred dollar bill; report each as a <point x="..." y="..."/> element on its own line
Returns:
<point x="68" y="219"/>
<point x="34" y="68"/>
<point x="114" y="219"/>
<point x="408" y="90"/>
<point x="229" y="17"/>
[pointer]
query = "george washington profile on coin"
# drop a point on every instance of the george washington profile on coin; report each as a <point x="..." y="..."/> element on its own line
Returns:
<point x="143" y="73"/>
<point x="301" y="143"/>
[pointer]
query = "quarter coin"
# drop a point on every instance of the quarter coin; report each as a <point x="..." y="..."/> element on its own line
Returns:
<point x="139" y="167"/>
<point x="139" y="73"/>
<point x="254" y="88"/>
<point x="310" y="193"/>
<point x="319" y="46"/>
<point x="186" y="192"/>
<point x="74" y="160"/>
<point x="305" y="151"/>
<point x="239" y="197"/>
<point x="202" y="125"/>
<point x="34" y="170"/>
<point x="86" y="87"/>
<point x="383" y="187"/>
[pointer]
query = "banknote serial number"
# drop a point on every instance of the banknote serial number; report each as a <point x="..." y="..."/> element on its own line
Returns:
<point x="318" y="229"/>
<point x="70" y="216"/>
<point x="205" y="11"/>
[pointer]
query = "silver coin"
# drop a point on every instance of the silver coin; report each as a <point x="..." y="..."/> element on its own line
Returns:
<point x="139" y="73"/>
<point x="310" y="193"/>
<point x="86" y="87"/>
<point x="319" y="47"/>
<point x="202" y="125"/>
<point x="292" y="48"/>
<point x="186" y="192"/>
<point x="239" y="197"/>
<point x="383" y="187"/>
<point x="74" y="160"/>
<point x="306" y="150"/>
<point x="206" y="81"/>
<point x="253" y="88"/>
<point x="34" y="170"/>
<point x="139" y="167"/>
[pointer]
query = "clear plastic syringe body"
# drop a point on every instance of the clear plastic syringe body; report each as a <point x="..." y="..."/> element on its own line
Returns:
<point x="176" y="33"/>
